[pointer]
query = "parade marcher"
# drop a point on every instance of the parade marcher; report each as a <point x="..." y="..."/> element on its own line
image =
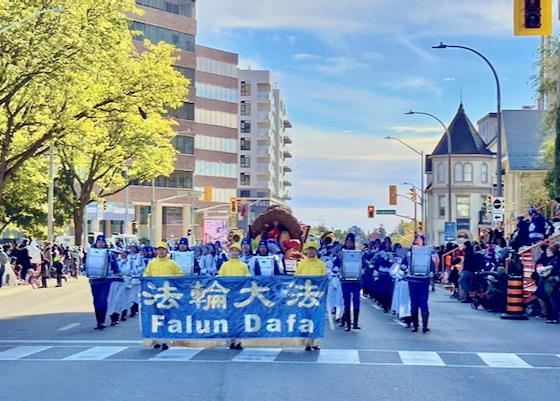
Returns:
<point x="208" y="262"/>
<point x="161" y="265"/>
<point x="384" y="283"/>
<point x="234" y="267"/>
<point x="335" y="302"/>
<point x="420" y="267"/>
<point x="221" y="255"/>
<point x="185" y="258"/>
<point x="264" y="263"/>
<point x="118" y="298"/>
<point x="400" y="302"/>
<point x="99" y="261"/>
<point x="311" y="266"/>
<point x="351" y="272"/>
<point x="134" y="269"/>
<point x="246" y="250"/>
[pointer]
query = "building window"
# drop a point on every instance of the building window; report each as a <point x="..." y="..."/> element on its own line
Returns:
<point x="245" y="161"/>
<point x="463" y="206"/>
<point x="458" y="169"/>
<point x="245" y="88"/>
<point x="172" y="215"/>
<point x="216" y="67"/>
<point x="216" y="92"/>
<point x="157" y="34"/>
<point x="184" y="112"/>
<point x="245" y="108"/>
<point x="184" y="144"/>
<point x="245" y="144"/>
<point x="441" y="172"/>
<point x="205" y="142"/>
<point x="484" y="172"/>
<point x="245" y="193"/>
<point x="467" y="172"/>
<point x="186" y="72"/>
<point x="179" y="7"/>
<point x="215" y="117"/>
<point x="177" y="179"/>
<point x="245" y="126"/>
<point x="245" y="179"/>
<point x="441" y="206"/>
<point x="216" y="169"/>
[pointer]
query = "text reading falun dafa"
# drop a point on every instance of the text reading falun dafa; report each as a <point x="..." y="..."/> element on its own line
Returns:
<point x="233" y="307"/>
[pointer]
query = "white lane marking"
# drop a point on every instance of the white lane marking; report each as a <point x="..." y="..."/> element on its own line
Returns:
<point x="176" y="354"/>
<point x="70" y="326"/>
<point x="403" y="324"/>
<point x="502" y="360"/>
<point x="21" y="352"/>
<point x="343" y="356"/>
<point x="95" y="354"/>
<point x="257" y="355"/>
<point x="421" y="358"/>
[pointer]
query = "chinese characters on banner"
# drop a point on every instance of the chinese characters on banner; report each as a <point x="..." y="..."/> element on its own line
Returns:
<point x="233" y="307"/>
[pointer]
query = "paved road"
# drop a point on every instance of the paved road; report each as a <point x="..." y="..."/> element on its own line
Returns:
<point x="47" y="337"/>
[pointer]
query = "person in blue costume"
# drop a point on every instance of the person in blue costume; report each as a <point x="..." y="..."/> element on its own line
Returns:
<point x="350" y="289"/>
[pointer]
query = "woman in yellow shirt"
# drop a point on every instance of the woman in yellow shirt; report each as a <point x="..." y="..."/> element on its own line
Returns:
<point x="311" y="266"/>
<point x="234" y="267"/>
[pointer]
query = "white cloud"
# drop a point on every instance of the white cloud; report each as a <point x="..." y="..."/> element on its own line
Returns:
<point x="416" y="83"/>
<point x="448" y="79"/>
<point x="304" y="57"/>
<point x="251" y="63"/>
<point x="414" y="128"/>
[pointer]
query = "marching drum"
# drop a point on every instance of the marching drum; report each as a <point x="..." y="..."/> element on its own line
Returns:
<point x="97" y="263"/>
<point x="421" y="260"/>
<point x="185" y="260"/>
<point x="351" y="265"/>
<point x="266" y="264"/>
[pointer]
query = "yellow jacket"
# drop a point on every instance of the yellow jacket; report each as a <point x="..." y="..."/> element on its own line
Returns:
<point x="163" y="267"/>
<point x="234" y="267"/>
<point x="311" y="267"/>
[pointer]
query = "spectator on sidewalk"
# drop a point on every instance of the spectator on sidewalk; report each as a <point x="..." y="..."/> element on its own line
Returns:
<point x="22" y="258"/>
<point x="4" y="260"/>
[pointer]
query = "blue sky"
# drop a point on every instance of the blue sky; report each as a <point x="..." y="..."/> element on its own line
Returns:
<point x="349" y="70"/>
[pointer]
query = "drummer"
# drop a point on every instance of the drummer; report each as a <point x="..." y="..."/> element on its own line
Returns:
<point x="264" y="263"/>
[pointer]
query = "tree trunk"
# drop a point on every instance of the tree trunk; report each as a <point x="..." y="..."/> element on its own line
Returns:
<point x="556" y="172"/>
<point x="78" y="213"/>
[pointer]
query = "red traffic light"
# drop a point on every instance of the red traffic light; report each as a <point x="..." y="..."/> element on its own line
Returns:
<point x="371" y="211"/>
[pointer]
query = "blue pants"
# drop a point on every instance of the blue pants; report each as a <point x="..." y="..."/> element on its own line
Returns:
<point x="100" y="291"/>
<point x="351" y="292"/>
<point x="419" y="291"/>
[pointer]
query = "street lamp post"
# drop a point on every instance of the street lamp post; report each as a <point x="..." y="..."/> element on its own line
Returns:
<point x="498" y="113"/>
<point x="56" y="9"/>
<point x="421" y="154"/>
<point x="448" y="135"/>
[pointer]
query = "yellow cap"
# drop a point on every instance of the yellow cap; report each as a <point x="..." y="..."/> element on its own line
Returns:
<point x="235" y="245"/>
<point x="162" y="244"/>
<point x="310" y="244"/>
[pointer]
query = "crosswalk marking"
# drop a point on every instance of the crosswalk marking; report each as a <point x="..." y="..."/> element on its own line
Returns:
<point x="70" y="326"/>
<point x="95" y="354"/>
<point x="176" y="354"/>
<point x="257" y="355"/>
<point x="502" y="360"/>
<point x="421" y="358"/>
<point x="16" y="353"/>
<point x="344" y="356"/>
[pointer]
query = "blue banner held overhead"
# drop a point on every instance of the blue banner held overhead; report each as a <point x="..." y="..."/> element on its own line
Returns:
<point x="196" y="307"/>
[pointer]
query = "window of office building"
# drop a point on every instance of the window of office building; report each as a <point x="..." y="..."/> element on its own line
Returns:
<point x="184" y="8"/>
<point x="177" y="179"/>
<point x="172" y="215"/>
<point x="184" y="112"/>
<point x="214" y="117"/>
<point x="216" y="67"/>
<point x="184" y="144"/>
<point x="245" y="193"/>
<point x="441" y="206"/>
<point x="157" y="34"/>
<point x="245" y="126"/>
<point x="216" y="92"/>
<point x="245" y="179"/>
<point x="245" y="108"/>
<point x="216" y="144"/>
<point x="245" y="144"/>
<point x="245" y="161"/>
<point x="186" y="72"/>
<point x="463" y="206"/>
<point x="245" y="88"/>
<point x="216" y="169"/>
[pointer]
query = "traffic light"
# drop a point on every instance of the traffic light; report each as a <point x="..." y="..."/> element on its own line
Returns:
<point x="488" y="204"/>
<point x="207" y="194"/>
<point x="392" y="194"/>
<point x="189" y="232"/>
<point x="371" y="212"/>
<point x="233" y="205"/>
<point x="413" y="194"/>
<point x="532" y="17"/>
<point x="421" y="226"/>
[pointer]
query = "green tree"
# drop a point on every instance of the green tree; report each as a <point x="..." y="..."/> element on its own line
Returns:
<point x="361" y="237"/>
<point x="403" y="233"/>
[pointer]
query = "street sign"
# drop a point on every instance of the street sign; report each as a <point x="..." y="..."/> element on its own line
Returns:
<point x="498" y="217"/>
<point x="497" y="204"/>
<point x="386" y="211"/>
<point x="450" y="230"/>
